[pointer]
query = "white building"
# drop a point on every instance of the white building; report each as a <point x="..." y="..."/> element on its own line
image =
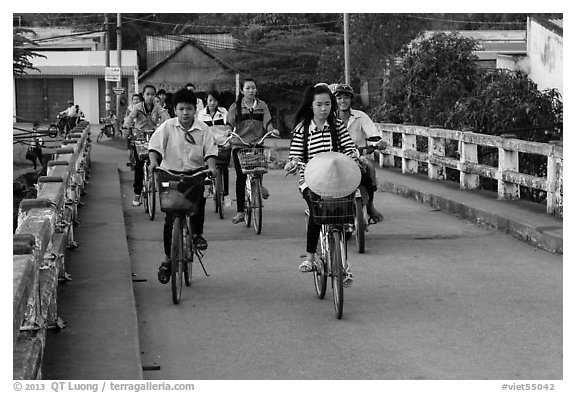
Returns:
<point x="74" y="70"/>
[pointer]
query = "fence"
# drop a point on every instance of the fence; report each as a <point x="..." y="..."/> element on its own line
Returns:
<point x="506" y="174"/>
<point x="45" y="230"/>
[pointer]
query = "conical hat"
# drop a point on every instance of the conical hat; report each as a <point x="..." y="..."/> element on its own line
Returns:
<point x="332" y="174"/>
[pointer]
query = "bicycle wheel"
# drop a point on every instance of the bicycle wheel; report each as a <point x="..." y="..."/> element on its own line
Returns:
<point x="248" y="202"/>
<point x="257" y="204"/>
<point x="99" y="137"/>
<point x="336" y="245"/>
<point x="219" y="193"/>
<point x="145" y="188"/>
<point x="188" y="254"/>
<point x="176" y="258"/>
<point x="321" y="272"/>
<point x="151" y="190"/>
<point x="360" y="226"/>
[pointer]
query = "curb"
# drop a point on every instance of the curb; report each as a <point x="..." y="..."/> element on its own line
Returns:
<point x="538" y="237"/>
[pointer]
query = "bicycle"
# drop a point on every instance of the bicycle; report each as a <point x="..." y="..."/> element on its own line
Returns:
<point x="63" y="125"/>
<point x="183" y="252"/>
<point x="149" y="186"/>
<point x="361" y="223"/>
<point x="254" y="163"/>
<point x="334" y="215"/>
<point x="107" y="129"/>
<point x="218" y="180"/>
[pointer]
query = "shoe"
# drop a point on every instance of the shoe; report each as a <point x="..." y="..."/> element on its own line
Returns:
<point x="200" y="242"/>
<point x="348" y="279"/>
<point x="227" y="201"/>
<point x="136" y="201"/>
<point x="239" y="217"/>
<point x="306" y="266"/>
<point x="164" y="272"/>
<point x="265" y="193"/>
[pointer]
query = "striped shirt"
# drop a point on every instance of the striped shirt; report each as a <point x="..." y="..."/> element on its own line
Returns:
<point x="319" y="141"/>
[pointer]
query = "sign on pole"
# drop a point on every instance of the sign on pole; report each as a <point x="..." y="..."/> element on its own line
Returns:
<point x="112" y="74"/>
<point x="118" y="90"/>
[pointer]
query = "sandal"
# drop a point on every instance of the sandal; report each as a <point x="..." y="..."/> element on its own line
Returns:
<point x="239" y="217"/>
<point x="348" y="278"/>
<point x="306" y="266"/>
<point x="164" y="272"/>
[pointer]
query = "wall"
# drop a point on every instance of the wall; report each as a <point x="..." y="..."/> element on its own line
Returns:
<point x="44" y="232"/>
<point x="545" y="54"/>
<point x="86" y="95"/>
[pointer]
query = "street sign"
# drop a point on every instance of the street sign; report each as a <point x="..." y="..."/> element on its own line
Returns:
<point x="118" y="90"/>
<point x="112" y="74"/>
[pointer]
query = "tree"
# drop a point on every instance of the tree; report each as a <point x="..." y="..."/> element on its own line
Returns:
<point x="432" y="75"/>
<point x="22" y="53"/>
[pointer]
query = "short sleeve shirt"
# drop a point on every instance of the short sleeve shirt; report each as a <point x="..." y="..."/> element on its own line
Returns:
<point x="178" y="154"/>
<point x="361" y="127"/>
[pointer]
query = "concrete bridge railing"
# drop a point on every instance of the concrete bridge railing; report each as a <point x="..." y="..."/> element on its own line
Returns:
<point x="45" y="230"/>
<point x="506" y="173"/>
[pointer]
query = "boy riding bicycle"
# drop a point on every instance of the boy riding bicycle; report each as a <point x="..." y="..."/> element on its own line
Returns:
<point x="183" y="144"/>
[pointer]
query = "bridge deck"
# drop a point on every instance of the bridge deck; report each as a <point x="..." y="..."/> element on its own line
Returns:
<point x="101" y="341"/>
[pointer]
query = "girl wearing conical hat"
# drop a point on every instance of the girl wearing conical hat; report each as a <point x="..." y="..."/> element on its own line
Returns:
<point x="319" y="131"/>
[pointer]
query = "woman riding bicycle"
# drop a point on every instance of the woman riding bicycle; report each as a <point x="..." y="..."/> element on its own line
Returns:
<point x="251" y="118"/>
<point x="215" y="117"/>
<point x="183" y="144"/>
<point x="317" y="130"/>
<point x="145" y="116"/>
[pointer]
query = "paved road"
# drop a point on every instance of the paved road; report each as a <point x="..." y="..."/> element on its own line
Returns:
<point x="434" y="298"/>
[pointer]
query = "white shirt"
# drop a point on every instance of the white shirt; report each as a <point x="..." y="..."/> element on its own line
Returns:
<point x="361" y="127"/>
<point x="178" y="154"/>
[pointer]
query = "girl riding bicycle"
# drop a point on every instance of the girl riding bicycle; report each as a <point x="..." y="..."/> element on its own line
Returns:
<point x="251" y="118"/>
<point x="317" y="130"/>
<point x="145" y="116"/>
<point x="183" y="144"/>
<point x="215" y="117"/>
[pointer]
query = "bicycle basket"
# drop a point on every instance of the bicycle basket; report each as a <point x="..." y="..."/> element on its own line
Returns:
<point x="254" y="158"/>
<point x="334" y="211"/>
<point x="141" y="149"/>
<point x="178" y="195"/>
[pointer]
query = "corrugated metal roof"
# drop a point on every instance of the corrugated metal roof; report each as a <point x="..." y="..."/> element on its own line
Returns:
<point x="558" y="22"/>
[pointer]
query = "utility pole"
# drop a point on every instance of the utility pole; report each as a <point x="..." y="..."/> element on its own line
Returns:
<point x="346" y="51"/>
<point x="107" y="46"/>
<point x="119" y="54"/>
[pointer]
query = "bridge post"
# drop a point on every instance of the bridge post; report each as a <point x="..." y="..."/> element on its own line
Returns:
<point x="507" y="161"/>
<point x="408" y="146"/>
<point x="554" y="198"/>
<point x="468" y="155"/>
<point x="386" y="160"/>
<point x="436" y="147"/>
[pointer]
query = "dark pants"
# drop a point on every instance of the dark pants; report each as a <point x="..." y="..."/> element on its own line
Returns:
<point x="240" y="182"/>
<point x="196" y="222"/>
<point x="138" y="173"/>
<point x="313" y="233"/>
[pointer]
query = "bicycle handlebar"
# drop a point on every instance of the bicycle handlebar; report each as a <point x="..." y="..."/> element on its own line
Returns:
<point x="234" y="135"/>
<point x="205" y="171"/>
